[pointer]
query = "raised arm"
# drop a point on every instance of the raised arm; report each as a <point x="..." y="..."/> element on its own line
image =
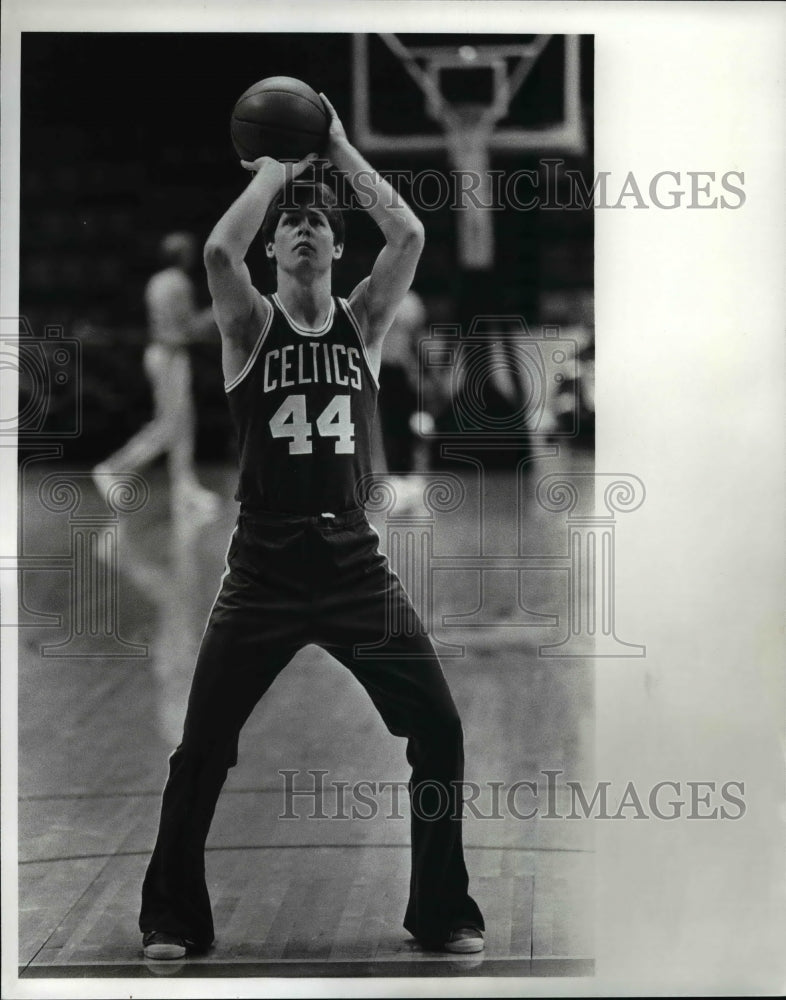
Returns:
<point x="239" y="309"/>
<point x="377" y="298"/>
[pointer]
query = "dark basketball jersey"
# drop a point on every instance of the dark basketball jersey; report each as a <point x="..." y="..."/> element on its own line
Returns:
<point x="303" y="407"/>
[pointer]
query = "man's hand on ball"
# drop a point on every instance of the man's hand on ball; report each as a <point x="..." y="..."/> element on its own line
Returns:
<point x="336" y="131"/>
<point x="267" y="163"/>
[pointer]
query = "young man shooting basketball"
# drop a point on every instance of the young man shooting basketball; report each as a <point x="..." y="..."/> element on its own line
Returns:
<point x="303" y="566"/>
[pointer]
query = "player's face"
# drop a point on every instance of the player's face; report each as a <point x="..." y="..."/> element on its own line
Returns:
<point x="303" y="240"/>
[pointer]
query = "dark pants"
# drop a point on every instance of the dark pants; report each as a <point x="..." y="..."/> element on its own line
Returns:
<point x="397" y="403"/>
<point x="292" y="581"/>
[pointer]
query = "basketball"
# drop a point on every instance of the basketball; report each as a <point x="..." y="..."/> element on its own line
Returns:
<point x="280" y="117"/>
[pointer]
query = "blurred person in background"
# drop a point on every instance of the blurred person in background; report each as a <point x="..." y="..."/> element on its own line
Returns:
<point x="173" y="323"/>
<point x="404" y="426"/>
<point x="570" y="400"/>
<point x="398" y="384"/>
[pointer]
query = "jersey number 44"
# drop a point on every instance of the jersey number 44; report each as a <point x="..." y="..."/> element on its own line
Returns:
<point x="291" y="421"/>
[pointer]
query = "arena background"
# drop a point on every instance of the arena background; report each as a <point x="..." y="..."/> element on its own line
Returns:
<point x="123" y="139"/>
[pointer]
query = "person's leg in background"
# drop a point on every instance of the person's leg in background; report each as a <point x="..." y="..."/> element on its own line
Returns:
<point x="396" y="405"/>
<point x="153" y="439"/>
<point x="186" y="489"/>
<point x="171" y="430"/>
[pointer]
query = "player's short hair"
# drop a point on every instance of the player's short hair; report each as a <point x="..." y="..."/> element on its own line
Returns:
<point x="302" y="195"/>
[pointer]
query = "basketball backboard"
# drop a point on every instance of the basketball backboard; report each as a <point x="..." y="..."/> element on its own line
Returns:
<point x="469" y="96"/>
<point x="406" y="88"/>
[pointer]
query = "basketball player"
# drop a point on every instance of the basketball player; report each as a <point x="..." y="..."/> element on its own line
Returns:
<point x="303" y="565"/>
<point x="173" y="322"/>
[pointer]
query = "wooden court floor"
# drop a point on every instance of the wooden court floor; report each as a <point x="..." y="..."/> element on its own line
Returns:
<point x="318" y="893"/>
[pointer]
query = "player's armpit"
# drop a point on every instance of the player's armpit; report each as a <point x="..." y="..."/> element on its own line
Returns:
<point x="237" y="350"/>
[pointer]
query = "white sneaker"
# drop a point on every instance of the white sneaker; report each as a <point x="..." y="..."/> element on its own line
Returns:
<point x="465" y="940"/>
<point x="163" y="947"/>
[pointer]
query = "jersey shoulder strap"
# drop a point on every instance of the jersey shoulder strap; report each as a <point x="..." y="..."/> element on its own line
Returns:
<point x="355" y="324"/>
